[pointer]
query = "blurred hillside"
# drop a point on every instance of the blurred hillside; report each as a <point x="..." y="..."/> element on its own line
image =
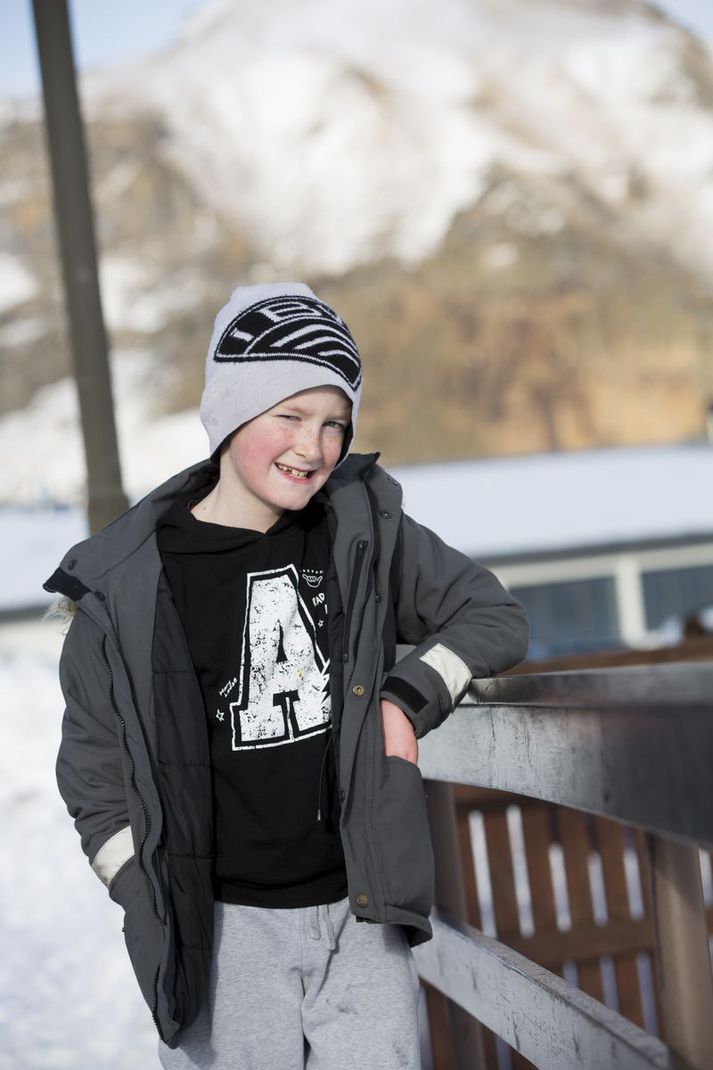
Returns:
<point x="508" y="202"/>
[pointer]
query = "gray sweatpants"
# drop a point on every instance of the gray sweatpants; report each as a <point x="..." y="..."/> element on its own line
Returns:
<point x="300" y="988"/>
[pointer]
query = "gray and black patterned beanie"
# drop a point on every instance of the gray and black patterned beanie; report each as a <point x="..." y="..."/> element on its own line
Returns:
<point x="269" y="342"/>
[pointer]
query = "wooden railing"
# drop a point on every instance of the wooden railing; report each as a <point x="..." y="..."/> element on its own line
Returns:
<point x="631" y="744"/>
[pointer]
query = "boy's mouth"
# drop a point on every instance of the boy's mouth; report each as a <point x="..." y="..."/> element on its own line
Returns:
<point x="295" y="473"/>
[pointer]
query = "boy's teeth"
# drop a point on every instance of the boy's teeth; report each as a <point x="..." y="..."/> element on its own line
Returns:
<point x="293" y="471"/>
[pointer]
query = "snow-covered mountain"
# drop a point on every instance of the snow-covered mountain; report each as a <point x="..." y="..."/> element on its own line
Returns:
<point x="339" y="132"/>
<point x="508" y="200"/>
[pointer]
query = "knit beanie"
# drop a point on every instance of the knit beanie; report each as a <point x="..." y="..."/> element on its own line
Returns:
<point x="271" y="341"/>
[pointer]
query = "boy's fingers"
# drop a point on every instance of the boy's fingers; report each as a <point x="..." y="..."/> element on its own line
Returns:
<point x="398" y="733"/>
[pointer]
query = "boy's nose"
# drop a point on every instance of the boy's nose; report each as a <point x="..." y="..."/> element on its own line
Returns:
<point x="307" y="445"/>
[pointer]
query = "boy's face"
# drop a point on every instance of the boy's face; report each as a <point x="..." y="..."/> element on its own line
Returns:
<point x="302" y="434"/>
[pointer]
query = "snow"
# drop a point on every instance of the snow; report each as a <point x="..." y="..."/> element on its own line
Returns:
<point x="11" y="191"/>
<point x="340" y="132"/>
<point x="68" y="999"/>
<point x="122" y="278"/>
<point x="17" y="332"/>
<point x="45" y="443"/>
<point x="16" y="283"/>
<point x="35" y="540"/>
<point x="133" y="300"/>
<point x="500" y="256"/>
<point x="347" y="130"/>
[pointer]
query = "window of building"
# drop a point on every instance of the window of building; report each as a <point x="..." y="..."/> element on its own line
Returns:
<point x="676" y="592"/>
<point x="571" y="616"/>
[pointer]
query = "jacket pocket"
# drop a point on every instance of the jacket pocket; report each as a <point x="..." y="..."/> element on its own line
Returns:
<point x="403" y="836"/>
<point x="143" y="933"/>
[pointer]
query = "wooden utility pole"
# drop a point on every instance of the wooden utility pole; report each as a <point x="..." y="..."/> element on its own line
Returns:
<point x="77" y="247"/>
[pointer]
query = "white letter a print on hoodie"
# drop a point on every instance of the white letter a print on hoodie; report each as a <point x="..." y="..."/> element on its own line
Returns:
<point x="284" y="678"/>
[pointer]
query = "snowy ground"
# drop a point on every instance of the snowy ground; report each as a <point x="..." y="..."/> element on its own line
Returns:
<point x="68" y="1000"/>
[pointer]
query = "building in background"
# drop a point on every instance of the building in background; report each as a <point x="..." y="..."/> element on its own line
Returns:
<point x="603" y="547"/>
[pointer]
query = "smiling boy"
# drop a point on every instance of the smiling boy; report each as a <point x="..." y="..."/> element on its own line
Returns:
<point x="279" y="459"/>
<point x="239" y="744"/>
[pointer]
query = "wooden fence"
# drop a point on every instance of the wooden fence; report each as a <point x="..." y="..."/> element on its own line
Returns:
<point x="609" y="774"/>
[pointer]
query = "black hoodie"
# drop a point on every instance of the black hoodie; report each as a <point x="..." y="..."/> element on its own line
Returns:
<point x="254" y="610"/>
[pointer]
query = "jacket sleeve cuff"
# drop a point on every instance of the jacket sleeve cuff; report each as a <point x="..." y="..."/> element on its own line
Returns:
<point x="404" y="695"/>
<point x="424" y="712"/>
<point x="417" y="686"/>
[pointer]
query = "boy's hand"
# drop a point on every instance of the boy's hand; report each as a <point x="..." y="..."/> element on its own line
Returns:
<point x="399" y="736"/>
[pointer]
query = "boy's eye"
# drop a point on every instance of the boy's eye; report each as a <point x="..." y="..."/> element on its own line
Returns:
<point x="328" y="423"/>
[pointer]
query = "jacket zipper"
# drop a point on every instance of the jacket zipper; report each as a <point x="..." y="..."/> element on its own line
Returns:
<point x="356" y="575"/>
<point x="146" y="813"/>
<point x="378" y="883"/>
<point x="325" y="752"/>
<point x="359" y="558"/>
<point x="362" y="545"/>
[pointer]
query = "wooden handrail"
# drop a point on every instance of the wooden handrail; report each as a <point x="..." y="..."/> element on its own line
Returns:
<point x="615" y="742"/>
<point x="550" y="1022"/>
<point x="634" y="744"/>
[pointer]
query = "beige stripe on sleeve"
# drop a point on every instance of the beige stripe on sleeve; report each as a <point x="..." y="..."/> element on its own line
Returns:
<point x="453" y="670"/>
<point x="112" y="855"/>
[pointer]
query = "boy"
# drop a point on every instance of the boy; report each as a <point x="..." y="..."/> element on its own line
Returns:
<point x="239" y="745"/>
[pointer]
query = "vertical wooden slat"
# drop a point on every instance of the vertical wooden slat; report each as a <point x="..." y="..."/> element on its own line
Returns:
<point x="491" y="1055"/>
<point x="642" y="856"/>
<point x="470" y="877"/>
<point x="438" y="1028"/>
<point x="502" y="880"/>
<point x="681" y="934"/>
<point x="538" y="830"/>
<point x="611" y="843"/>
<point x="470" y="881"/>
<point x="644" y="870"/>
<point x="575" y="844"/>
<point x="468" y="1051"/>
<point x="537" y="834"/>
<point x="709" y="910"/>
<point x="501" y="874"/>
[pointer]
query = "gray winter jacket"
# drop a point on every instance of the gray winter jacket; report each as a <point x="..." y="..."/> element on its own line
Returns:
<point x="134" y="766"/>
